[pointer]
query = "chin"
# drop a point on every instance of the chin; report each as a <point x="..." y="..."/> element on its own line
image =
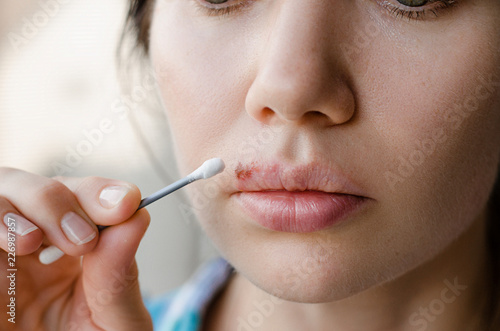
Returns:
<point x="321" y="287"/>
<point x="292" y="273"/>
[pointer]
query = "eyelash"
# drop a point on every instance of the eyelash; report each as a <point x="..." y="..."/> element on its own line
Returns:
<point x="223" y="9"/>
<point x="398" y="10"/>
<point x="417" y="13"/>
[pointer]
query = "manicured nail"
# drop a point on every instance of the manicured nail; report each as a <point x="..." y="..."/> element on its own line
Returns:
<point x="76" y="229"/>
<point x="111" y="196"/>
<point x="21" y="225"/>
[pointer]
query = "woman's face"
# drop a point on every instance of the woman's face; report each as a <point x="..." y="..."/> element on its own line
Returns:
<point x="359" y="139"/>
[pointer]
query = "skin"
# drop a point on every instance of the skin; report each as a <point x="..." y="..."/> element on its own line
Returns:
<point x="67" y="295"/>
<point x="301" y="73"/>
<point x="286" y="70"/>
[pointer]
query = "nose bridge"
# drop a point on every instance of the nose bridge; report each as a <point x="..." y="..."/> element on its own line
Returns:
<point x="297" y="42"/>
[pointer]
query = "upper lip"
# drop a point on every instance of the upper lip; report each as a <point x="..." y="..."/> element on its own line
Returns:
<point x="261" y="176"/>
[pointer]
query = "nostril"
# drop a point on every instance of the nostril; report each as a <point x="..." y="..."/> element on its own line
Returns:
<point x="267" y="113"/>
<point x="315" y="115"/>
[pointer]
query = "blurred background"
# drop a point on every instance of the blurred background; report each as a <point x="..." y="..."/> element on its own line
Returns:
<point x="65" y="109"/>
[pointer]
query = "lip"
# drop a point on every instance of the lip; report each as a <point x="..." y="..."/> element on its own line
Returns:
<point x="298" y="199"/>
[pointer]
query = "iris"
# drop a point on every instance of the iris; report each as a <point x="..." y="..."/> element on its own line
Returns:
<point x="413" y="3"/>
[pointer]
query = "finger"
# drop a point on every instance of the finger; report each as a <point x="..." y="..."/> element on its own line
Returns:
<point x="110" y="276"/>
<point x="17" y="234"/>
<point x="52" y="207"/>
<point x="106" y="201"/>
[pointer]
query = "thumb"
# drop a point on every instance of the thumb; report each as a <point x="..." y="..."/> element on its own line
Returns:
<point x="110" y="277"/>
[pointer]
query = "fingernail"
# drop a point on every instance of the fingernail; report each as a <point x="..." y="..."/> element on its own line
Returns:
<point x="77" y="229"/>
<point x="21" y="225"/>
<point x="111" y="196"/>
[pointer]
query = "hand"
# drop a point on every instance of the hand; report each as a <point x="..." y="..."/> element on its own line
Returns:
<point x="99" y="293"/>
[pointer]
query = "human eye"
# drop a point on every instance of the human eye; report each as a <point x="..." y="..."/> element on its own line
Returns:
<point x="417" y="9"/>
<point x="221" y="7"/>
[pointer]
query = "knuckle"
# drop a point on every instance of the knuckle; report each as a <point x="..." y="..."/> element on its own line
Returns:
<point x="52" y="190"/>
<point x="88" y="184"/>
<point x="93" y="181"/>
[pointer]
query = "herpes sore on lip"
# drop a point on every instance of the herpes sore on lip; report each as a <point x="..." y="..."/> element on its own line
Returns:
<point x="245" y="172"/>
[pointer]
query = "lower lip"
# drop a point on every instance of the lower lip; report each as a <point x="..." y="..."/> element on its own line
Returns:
<point x="298" y="212"/>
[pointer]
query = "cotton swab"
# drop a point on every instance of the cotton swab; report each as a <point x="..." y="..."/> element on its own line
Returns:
<point x="207" y="170"/>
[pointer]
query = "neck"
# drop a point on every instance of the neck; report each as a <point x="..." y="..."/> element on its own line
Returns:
<point x="446" y="293"/>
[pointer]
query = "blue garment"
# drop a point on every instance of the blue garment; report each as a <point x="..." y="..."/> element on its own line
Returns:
<point x="184" y="308"/>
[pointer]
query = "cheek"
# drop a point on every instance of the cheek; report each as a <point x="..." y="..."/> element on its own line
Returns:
<point x="203" y="83"/>
<point x="433" y="104"/>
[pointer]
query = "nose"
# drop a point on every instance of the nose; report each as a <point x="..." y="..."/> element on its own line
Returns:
<point x="299" y="76"/>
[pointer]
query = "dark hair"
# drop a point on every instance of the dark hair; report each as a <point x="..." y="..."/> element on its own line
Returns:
<point x="494" y="245"/>
<point x="138" y="24"/>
